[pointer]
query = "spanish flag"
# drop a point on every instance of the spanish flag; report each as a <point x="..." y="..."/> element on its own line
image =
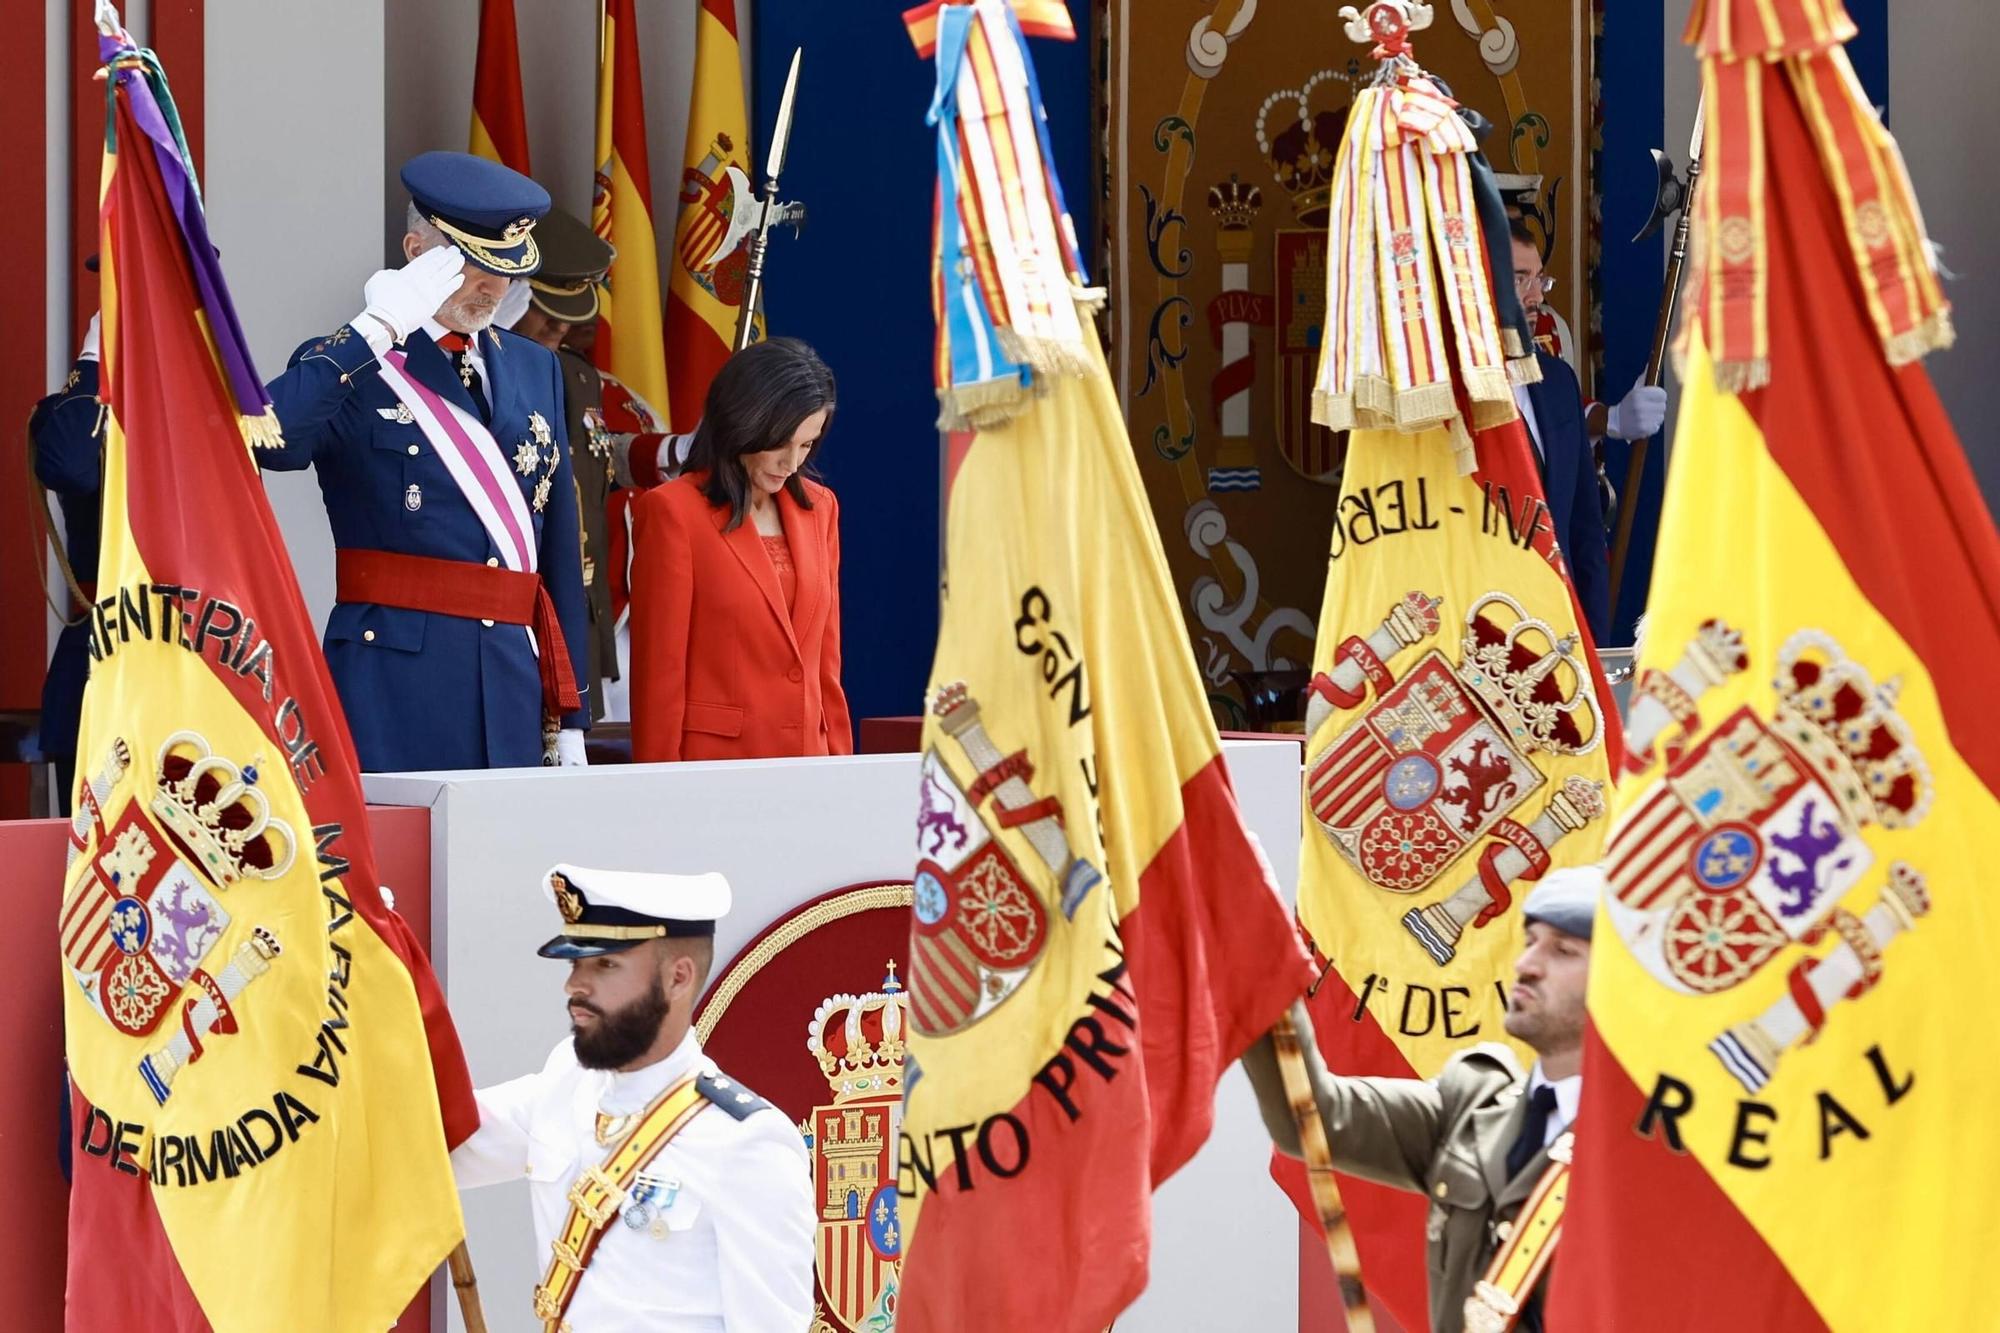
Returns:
<point x="1787" y="1064"/>
<point x="703" y="300"/>
<point x="1095" y="937"/>
<point x="499" y="117"/>
<point x="629" y="339"/>
<point x="1459" y="731"/>
<point x="265" y="1081"/>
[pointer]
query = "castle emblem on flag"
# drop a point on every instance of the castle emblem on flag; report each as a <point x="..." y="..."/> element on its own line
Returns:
<point x="147" y="913"/>
<point x="980" y="923"/>
<point x="1444" y="759"/>
<point x="1750" y="840"/>
<point x="858" y="1042"/>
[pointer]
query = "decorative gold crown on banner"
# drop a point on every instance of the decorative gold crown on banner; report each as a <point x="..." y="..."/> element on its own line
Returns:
<point x="1299" y="131"/>
<point x="218" y="815"/>
<point x="1536" y="682"/>
<point x="858" y="1041"/>
<point x="1234" y="204"/>
<point x="1846" y="726"/>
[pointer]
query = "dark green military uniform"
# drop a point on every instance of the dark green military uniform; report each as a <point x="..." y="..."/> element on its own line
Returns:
<point x="574" y="262"/>
<point x="1446" y="1137"/>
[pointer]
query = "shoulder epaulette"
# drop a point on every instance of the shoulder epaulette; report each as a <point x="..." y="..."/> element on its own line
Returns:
<point x="730" y="1096"/>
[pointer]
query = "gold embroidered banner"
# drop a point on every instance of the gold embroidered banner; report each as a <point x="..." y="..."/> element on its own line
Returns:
<point x="1224" y="118"/>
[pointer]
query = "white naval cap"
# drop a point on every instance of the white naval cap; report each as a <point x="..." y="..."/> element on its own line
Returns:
<point x="1567" y="899"/>
<point x="604" y="911"/>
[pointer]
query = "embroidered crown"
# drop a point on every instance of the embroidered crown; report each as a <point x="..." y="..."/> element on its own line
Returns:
<point x="1846" y="726"/>
<point x="1234" y="204"/>
<point x="217" y="815"/>
<point x="1536" y="682"/>
<point x="858" y="1041"/>
<point x="1299" y="129"/>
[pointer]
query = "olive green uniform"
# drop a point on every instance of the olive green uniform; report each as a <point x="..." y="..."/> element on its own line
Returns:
<point x="1446" y="1137"/>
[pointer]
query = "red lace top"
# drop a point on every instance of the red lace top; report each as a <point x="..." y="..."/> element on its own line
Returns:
<point x="780" y="552"/>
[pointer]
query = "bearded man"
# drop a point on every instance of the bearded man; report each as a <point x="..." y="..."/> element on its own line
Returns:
<point x="1488" y="1143"/>
<point x="460" y="628"/>
<point x="667" y="1197"/>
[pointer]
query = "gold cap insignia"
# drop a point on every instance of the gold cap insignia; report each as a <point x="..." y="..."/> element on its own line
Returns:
<point x="568" y="901"/>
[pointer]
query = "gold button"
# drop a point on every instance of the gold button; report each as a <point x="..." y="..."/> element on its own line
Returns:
<point x="1439" y="1189"/>
<point x="492" y="561"/>
<point x="487" y="623"/>
<point x="413" y="451"/>
<point x="368" y="635"/>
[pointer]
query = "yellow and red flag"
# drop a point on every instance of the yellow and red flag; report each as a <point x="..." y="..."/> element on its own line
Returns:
<point x="265" y="1081"/>
<point x="1774" y="1130"/>
<point x="499" y="116"/>
<point x="1095" y="936"/>
<point x="1459" y="731"/>
<point x="703" y="302"/>
<point x="629" y="320"/>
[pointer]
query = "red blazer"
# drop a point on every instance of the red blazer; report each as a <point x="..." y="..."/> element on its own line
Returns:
<point x="720" y="670"/>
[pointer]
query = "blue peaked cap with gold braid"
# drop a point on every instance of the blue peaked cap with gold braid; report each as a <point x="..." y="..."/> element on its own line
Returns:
<point x="488" y="211"/>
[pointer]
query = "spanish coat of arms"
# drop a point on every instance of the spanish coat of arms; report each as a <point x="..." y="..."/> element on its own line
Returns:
<point x="1750" y="838"/>
<point x="142" y="922"/>
<point x="858" y="1042"/>
<point x="1445" y="758"/>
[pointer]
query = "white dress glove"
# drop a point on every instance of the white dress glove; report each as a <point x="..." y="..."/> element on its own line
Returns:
<point x="569" y="749"/>
<point x="1639" y="414"/>
<point x="513" y="305"/>
<point x="88" y="352"/>
<point x="401" y="299"/>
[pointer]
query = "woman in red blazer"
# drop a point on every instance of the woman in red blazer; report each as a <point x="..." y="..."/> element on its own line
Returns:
<point x="736" y="576"/>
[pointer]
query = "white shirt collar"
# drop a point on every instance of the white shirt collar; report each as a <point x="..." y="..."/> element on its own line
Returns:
<point x="1569" y="1092"/>
<point x="1526" y="403"/>
<point x="629" y="1090"/>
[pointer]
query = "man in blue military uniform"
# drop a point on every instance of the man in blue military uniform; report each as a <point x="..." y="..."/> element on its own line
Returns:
<point x="458" y="635"/>
<point x="69" y="462"/>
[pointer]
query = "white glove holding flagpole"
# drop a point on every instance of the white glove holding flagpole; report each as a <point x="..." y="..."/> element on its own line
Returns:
<point x="1639" y="414"/>
<point x="401" y="299"/>
<point x="569" y="749"/>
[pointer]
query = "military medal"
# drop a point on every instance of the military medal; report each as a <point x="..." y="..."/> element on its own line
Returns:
<point x="527" y="457"/>
<point x="541" y="495"/>
<point x="648" y="1199"/>
<point x="539" y="428"/>
<point x="413" y="498"/>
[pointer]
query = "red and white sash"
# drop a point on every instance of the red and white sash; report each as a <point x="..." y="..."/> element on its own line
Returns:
<point x="474" y="459"/>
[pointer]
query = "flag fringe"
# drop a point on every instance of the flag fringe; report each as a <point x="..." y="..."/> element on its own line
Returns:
<point x="1935" y="334"/>
<point x="1523" y="371"/>
<point x="262" y="431"/>
<point x="1742" y="376"/>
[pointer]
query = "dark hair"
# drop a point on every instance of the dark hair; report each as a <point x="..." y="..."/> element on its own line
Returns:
<point x="1517" y="227"/>
<point x="755" y="403"/>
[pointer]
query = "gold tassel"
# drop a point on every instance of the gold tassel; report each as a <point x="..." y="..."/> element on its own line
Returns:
<point x="262" y="431"/>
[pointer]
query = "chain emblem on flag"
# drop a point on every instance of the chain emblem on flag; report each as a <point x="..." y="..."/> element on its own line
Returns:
<point x="1444" y="757"/>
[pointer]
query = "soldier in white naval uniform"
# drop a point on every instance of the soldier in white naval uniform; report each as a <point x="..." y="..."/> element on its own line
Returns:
<point x="666" y="1197"/>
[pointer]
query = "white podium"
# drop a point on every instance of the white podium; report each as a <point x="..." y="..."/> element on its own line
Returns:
<point x="1225" y="1243"/>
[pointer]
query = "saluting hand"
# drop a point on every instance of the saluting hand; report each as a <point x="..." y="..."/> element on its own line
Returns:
<point x="403" y="298"/>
